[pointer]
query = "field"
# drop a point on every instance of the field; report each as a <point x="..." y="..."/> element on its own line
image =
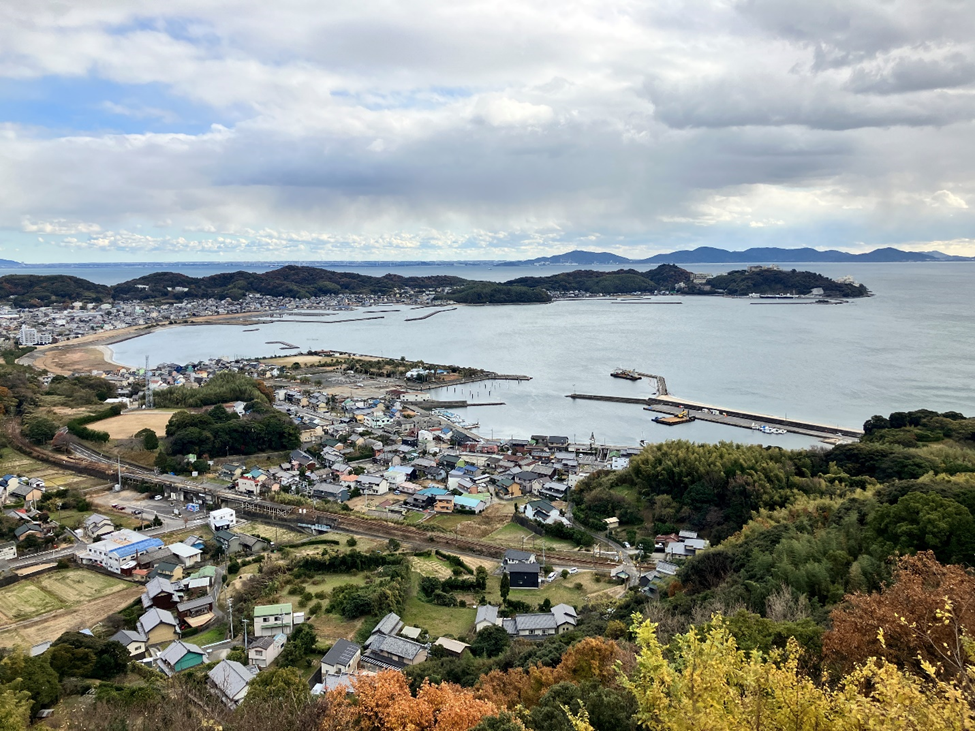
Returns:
<point x="42" y="608"/>
<point x="15" y="463"/>
<point x="512" y="535"/>
<point x="280" y="536"/>
<point x="124" y="426"/>
<point x="437" y="620"/>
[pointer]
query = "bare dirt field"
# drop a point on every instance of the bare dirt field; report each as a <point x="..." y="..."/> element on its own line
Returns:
<point x="12" y="462"/>
<point x="124" y="426"/>
<point x="34" y="610"/>
<point x="76" y="360"/>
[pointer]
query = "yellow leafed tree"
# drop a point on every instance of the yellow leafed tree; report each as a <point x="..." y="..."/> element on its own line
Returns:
<point x="712" y="685"/>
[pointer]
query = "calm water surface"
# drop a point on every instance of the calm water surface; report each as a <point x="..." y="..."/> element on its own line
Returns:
<point x="910" y="346"/>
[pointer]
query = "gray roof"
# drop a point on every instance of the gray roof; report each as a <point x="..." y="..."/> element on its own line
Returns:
<point x="342" y="653"/>
<point x="159" y="585"/>
<point x="231" y="677"/>
<point x="154" y="617"/>
<point x="513" y="554"/>
<point x="127" y="637"/>
<point x="262" y="643"/>
<point x="523" y="568"/>
<point x="396" y="646"/>
<point x="486" y="613"/>
<point x="389" y="625"/>
<point x="179" y="649"/>
<point x="535" y="621"/>
<point x="96" y="518"/>
<point x="564" y="614"/>
<point x="203" y="601"/>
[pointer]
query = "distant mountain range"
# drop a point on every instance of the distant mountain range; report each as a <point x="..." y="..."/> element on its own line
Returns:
<point x="711" y="255"/>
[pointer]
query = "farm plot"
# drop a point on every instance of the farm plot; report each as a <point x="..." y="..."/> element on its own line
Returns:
<point x="57" y="590"/>
<point x="125" y="426"/>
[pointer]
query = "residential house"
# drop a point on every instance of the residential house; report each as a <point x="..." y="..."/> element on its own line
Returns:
<point x="562" y="618"/>
<point x="120" y="550"/>
<point x="524" y="575"/>
<point x="372" y="484"/>
<point x="444" y="504"/>
<point x="343" y="657"/>
<point x="543" y="511"/>
<point x="26" y="492"/>
<point x="229" y="542"/>
<point x="134" y="642"/>
<point x="554" y="490"/>
<point x="273" y="619"/>
<point x="330" y="491"/>
<point x="97" y="525"/>
<point x="222" y="519"/>
<point x="180" y="656"/>
<point x="28" y="529"/>
<point x="230" y="681"/>
<point x="452" y="648"/>
<point x="264" y="650"/>
<point x="158" y="626"/>
<point x="252" y="544"/>
<point x="160" y="593"/>
<point x="514" y="556"/>
<point x="196" y="612"/>
<point x="471" y="503"/>
<point x="487" y="616"/>
<point x="185" y="555"/>
<point x="385" y="652"/>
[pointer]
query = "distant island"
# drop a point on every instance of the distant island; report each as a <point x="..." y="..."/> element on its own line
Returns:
<point x="303" y="282"/>
<point x="710" y="255"/>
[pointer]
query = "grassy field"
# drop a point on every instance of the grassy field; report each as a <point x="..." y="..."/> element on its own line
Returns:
<point x="50" y="592"/>
<point x="512" y="535"/>
<point x="439" y="621"/>
<point x="558" y="592"/>
<point x="124" y="426"/>
<point x="280" y="536"/>
<point x="214" y="634"/>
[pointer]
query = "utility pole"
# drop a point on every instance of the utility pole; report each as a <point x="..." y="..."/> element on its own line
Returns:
<point x="149" y="401"/>
<point x="230" y="614"/>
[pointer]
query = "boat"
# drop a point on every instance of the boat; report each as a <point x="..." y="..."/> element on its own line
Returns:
<point x="625" y="374"/>
<point x="767" y="429"/>
<point x="252" y="330"/>
<point x="681" y="417"/>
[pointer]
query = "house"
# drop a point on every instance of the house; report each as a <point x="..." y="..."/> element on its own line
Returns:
<point x="385" y="652"/>
<point x="372" y="484"/>
<point x="26" y="492"/>
<point x="230" y="681"/>
<point x="301" y="459"/>
<point x="524" y="575"/>
<point x="391" y="624"/>
<point x="180" y="656"/>
<point x="444" y="504"/>
<point x="167" y="570"/>
<point x="185" y="555"/>
<point x="273" y="619"/>
<point x="134" y="642"/>
<point x="28" y="529"/>
<point x="562" y="618"/>
<point x="222" y="519"/>
<point x="343" y="657"/>
<point x="452" y="648"/>
<point x="514" y="556"/>
<point x="229" y="542"/>
<point x="419" y="501"/>
<point x="160" y="593"/>
<point x="96" y="526"/>
<point x="612" y="523"/>
<point x="469" y="502"/>
<point x="196" y="612"/>
<point x="543" y="512"/>
<point x="330" y="491"/>
<point x="487" y="616"/>
<point x="666" y="568"/>
<point x="252" y="544"/>
<point x="263" y="650"/>
<point x="554" y="490"/>
<point x="158" y="626"/>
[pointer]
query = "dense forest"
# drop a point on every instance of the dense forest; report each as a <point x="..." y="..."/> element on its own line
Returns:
<point x="302" y="282"/>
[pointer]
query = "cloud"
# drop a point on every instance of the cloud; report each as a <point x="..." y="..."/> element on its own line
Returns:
<point x="520" y="127"/>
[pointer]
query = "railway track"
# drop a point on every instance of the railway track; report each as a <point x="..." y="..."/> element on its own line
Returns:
<point x="94" y="464"/>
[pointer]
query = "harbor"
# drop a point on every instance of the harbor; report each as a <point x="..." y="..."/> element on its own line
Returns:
<point x="687" y="411"/>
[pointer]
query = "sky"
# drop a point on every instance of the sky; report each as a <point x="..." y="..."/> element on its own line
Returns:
<point x="444" y="130"/>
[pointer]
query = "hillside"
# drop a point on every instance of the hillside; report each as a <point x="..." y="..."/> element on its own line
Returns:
<point x="779" y="281"/>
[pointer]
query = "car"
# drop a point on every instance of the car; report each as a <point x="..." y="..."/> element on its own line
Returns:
<point x="625" y="544"/>
<point x="158" y="497"/>
<point x="573" y="570"/>
<point x="136" y="511"/>
<point x="115" y="506"/>
<point x="552" y="576"/>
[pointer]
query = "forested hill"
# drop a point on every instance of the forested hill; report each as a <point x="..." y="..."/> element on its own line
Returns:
<point x="302" y="282"/>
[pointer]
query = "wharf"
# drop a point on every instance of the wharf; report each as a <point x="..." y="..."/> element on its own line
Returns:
<point x="730" y="417"/>
<point x="487" y="376"/>
<point x="460" y="404"/>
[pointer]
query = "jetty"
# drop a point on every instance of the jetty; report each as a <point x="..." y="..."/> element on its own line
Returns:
<point x="424" y="317"/>
<point x="671" y="405"/>
<point x="431" y="385"/>
<point x="457" y="404"/>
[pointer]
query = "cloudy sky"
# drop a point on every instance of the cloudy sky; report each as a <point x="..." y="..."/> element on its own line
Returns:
<point x="300" y="129"/>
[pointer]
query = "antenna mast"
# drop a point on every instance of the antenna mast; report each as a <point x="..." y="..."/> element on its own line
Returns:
<point x="150" y="401"/>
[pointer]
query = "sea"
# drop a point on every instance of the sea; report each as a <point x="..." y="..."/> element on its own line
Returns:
<point x="910" y="345"/>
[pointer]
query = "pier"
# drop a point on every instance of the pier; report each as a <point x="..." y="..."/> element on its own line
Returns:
<point x="427" y="316"/>
<point x="458" y="404"/>
<point x="730" y="417"/>
<point x="431" y="385"/>
<point x="661" y="382"/>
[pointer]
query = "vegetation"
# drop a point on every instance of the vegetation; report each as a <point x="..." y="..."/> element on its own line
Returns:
<point x="664" y="278"/>
<point x="489" y="293"/>
<point x="221" y="432"/>
<point x="780" y="281"/>
<point x="225" y="387"/>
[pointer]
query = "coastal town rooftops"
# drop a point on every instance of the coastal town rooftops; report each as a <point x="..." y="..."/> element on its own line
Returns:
<point x="395" y="646"/>
<point x="389" y="625"/>
<point x="486" y="613"/>
<point x="341" y="653"/>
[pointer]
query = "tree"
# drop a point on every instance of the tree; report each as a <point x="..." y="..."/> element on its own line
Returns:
<point x="15" y="704"/>
<point x="505" y="586"/>
<point x="278" y="685"/>
<point x="392" y="545"/>
<point x="927" y="521"/>
<point x="300" y="642"/>
<point x="39" y="679"/>
<point x="491" y="642"/>
<point x="40" y="430"/>
<point x="480" y="578"/>
<point x="923" y="616"/>
<point x="351" y="542"/>
<point x="150" y="441"/>
<point x="504" y="721"/>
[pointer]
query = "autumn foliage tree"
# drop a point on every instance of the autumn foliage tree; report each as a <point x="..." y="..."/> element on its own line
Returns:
<point x="923" y="616"/>
<point x="383" y="702"/>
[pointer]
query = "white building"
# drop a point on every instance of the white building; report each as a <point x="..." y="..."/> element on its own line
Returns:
<point x="119" y="550"/>
<point x="222" y="519"/>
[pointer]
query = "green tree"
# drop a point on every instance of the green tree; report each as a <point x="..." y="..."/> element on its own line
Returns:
<point x="40" y="430"/>
<point x="149" y="439"/>
<point x="15" y="705"/>
<point x="504" y="721"/>
<point x="928" y="522"/>
<point x="491" y="642"/>
<point x="37" y="677"/>
<point x="301" y="642"/>
<point x="278" y="685"/>
<point x="505" y="586"/>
